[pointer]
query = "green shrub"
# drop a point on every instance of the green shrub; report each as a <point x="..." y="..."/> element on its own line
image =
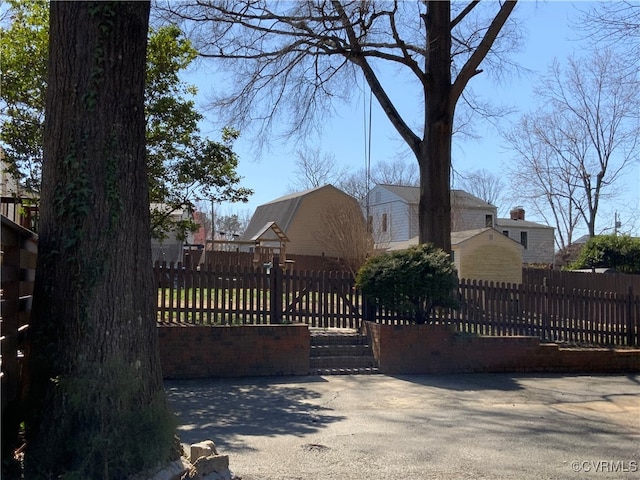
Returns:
<point x="411" y="281"/>
<point x="621" y="252"/>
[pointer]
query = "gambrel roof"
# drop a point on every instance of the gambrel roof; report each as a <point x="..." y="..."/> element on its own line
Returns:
<point x="282" y="210"/>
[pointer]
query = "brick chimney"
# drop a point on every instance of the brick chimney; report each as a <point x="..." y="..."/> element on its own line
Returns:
<point x="517" y="213"/>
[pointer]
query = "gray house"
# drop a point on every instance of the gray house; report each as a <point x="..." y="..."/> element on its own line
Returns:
<point x="536" y="238"/>
<point x="171" y="248"/>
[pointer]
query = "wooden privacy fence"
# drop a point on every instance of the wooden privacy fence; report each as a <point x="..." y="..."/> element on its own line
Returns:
<point x="601" y="282"/>
<point x="227" y="295"/>
<point x="19" y="252"/>
<point x="554" y="314"/>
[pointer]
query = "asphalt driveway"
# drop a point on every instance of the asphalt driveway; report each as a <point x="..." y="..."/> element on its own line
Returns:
<point x="493" y="426"/>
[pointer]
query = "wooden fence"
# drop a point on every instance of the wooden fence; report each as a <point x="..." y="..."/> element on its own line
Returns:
<point x="602" y="282"/>
<point x="19" y="251"/>
<point x="226" y="295"/>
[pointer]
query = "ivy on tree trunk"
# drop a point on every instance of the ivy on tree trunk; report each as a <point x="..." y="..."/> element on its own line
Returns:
<point x="97" y="406"/>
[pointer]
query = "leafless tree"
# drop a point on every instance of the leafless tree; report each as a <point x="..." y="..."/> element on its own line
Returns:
<point x="541" y="180"/>
<point x="292" y="60"/>
<point x="356" y="183"/>
<point x="614" y="24"/>
<point x="484" y="185"/>
<point x="342" y="229"/>
<point x="572" y="151"/>
<point x="315" y="169"/>
<point x="396" y="172"/>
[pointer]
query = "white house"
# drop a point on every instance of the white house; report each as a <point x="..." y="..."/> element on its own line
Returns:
<point x="171" y="248"/>
<point x="392" y="213"/>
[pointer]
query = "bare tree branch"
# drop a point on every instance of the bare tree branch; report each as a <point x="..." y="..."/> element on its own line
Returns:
<point x="574" y="150"/>
<point x="291" y="61"/>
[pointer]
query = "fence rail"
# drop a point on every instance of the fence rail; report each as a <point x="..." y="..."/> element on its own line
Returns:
<point x="227" y="295"/>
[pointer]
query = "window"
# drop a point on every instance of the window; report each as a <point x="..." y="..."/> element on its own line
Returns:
<point x="488" y="220"/>
<point x="370" y="224"/>
<point x="384" y="222"/>
<point x="523" y="239"/>
<point x="505" y="233"/>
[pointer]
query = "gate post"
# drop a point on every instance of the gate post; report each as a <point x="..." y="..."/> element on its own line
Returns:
<point x="369" y="308"/>
<point x="633" y="336"/>
<point x="275" y="296"/>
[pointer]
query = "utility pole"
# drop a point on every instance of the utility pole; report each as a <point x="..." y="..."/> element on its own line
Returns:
<point x="213" y="222"/>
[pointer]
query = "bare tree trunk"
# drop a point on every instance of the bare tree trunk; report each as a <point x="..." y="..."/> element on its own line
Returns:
<point x="434" y="156"/>
<point x="97" y="406"/>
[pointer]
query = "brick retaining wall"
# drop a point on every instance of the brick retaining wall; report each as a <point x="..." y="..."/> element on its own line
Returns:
<point x="188" y="351"/>
<point x="425" y="349"/>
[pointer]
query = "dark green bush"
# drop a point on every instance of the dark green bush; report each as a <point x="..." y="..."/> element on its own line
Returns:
<point x="411" y="281"/>
<point x="621" y="252"/>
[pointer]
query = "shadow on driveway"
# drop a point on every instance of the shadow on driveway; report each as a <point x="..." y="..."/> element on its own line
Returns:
<point x="464" y="382"/>
<point x="227" y="409"/>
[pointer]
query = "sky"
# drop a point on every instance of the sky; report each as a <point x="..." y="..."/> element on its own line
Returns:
<point x="548" y="35"/>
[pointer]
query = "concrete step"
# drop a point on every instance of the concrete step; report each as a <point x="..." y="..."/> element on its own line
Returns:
<point x="344" y="371"/>
<point x="330" y="338"/>
<point x="338" y="350"/>
<point x="342" y="362"/>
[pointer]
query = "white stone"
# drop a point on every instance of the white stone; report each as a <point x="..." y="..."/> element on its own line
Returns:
<point x="214" y="450"/>
<point x="213" y="463"/>
<point x="201" y="449"/>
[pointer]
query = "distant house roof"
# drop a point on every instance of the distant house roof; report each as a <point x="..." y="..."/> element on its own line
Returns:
<point x="464" y="235"/>
<point x="407" y="193"/>
<point x="456" y="239"/>
<point x="402" y="245"/>
<point x="175" y="213"/>
<point x="281" y="211"/>
<point x="596" y="270"/>
<point x="459" y="198"/>
<point x="582" y="240"/>
<point x="508" y="223"/>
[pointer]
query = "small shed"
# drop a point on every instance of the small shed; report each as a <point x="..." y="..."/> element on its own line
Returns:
<point x="486" y="254"/>
<point x="481" y="254"/>
<point x="270" y="240"/>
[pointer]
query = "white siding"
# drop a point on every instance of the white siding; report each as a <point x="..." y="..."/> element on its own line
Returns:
<point x="382" y="202"/>
<point x="540" y="243"/>
<point x="471" y="218"/>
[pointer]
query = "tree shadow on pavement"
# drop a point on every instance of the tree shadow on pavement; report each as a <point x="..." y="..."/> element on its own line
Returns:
<point x="223" y="410"/>
<point x="465" y="381"/>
